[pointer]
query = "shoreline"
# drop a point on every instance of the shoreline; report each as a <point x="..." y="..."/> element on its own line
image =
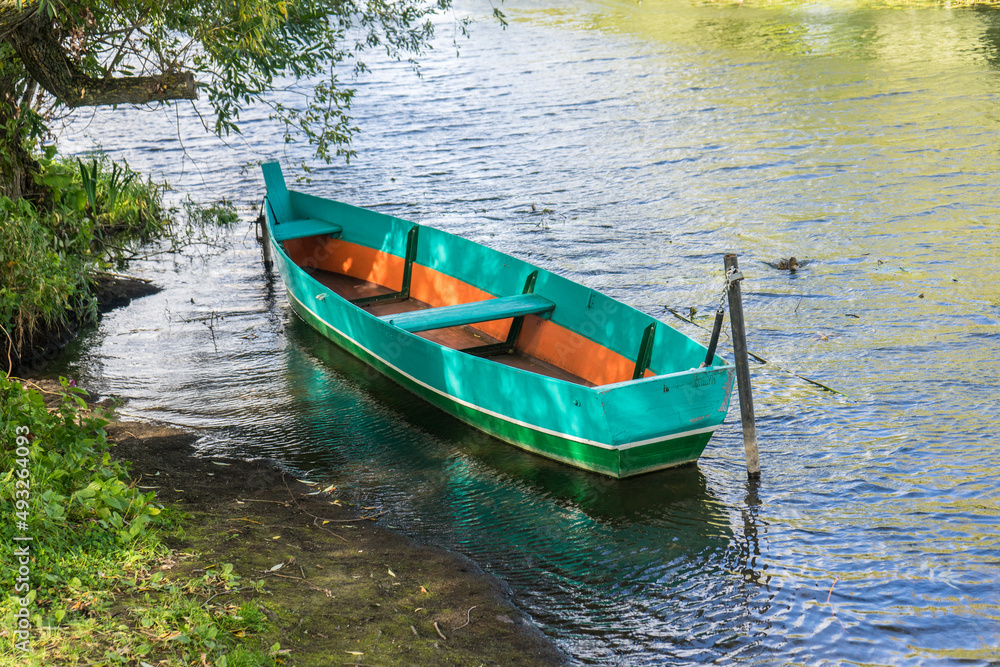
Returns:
<point x="335" y="585"/>
<point x="336" y="588"/>
<point x="110" y="292"/>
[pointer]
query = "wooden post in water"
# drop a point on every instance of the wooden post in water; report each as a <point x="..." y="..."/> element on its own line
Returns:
<point x="742" y="366"/>
<point x="265" y="240"/>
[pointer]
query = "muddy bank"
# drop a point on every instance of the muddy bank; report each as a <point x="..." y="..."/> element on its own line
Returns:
<point x="115" y="291"/>
<point x="337" y="588"/>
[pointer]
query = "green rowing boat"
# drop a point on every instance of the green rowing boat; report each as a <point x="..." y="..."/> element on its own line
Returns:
<point x="523" y="354"/>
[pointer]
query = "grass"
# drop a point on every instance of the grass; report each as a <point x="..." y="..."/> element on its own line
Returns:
<point x="98" y="586"/>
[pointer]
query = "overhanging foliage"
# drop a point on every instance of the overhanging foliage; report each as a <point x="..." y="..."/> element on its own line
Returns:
<point x="234" y="53"/>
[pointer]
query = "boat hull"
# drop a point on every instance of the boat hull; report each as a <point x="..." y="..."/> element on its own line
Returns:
<point x="605" y="429"/>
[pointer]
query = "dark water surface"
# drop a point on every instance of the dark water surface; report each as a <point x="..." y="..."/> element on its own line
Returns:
<point x="651" y="138"/>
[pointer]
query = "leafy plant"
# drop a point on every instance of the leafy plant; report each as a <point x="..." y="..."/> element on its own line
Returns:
<point x="110" y="188"/>
<point x="97" y="217"/>
<point x="82" y="499"/>
<point x="94" y="544"/>
<point x="117" y="182"/>
<point x="89" y="179"/>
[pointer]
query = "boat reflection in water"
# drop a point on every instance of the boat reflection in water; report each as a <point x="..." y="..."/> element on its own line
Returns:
<point x="587" y="554"/>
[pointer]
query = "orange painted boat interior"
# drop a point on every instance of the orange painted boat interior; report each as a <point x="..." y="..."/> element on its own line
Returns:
<point x="354" y="271"/>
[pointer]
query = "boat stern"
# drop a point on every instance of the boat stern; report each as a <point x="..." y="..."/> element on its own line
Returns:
<point x="664" y="421"/>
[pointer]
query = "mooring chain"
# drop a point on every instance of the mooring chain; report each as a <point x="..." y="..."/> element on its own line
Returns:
<point x="733" y="275"/>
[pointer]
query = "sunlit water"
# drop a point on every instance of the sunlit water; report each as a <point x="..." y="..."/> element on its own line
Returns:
<point x="651" y="138"/>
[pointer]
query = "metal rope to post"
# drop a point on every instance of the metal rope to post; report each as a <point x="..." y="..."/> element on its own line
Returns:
<point x="732" y="275"/>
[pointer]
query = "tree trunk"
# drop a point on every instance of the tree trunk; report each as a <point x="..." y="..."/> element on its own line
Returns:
<point x="18" y="182"/>
<point x="17" y="165"/>
<point x="32" y="55"/>
<point x="46" y="61"/>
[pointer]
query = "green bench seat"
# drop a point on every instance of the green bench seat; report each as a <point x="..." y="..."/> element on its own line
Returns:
<point x="297" y="229"/>
<point x="286" y="225"/>
<point x="470" y="313"/>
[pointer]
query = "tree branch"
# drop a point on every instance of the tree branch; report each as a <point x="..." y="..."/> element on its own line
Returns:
<point x="12" y="15"/>
<point x="47" y="63"/>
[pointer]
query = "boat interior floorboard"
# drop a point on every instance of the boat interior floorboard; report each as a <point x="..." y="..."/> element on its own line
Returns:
<point x="527" y="363"/>
<point x="457" y="338"/>
<point x="346" y="286"/>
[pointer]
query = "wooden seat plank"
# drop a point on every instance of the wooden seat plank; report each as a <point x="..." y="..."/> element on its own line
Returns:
<point x="470" y="313"/>
<point x="297" y="229"/>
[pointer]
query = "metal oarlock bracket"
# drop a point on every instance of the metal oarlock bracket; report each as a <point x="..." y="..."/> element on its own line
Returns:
<point x="714" y="342"/>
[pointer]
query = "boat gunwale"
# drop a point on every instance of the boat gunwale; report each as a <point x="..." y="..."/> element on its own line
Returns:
<point x="556" y="318"/>
<point x="713" y="367"/>
<point x="597" y="387"/>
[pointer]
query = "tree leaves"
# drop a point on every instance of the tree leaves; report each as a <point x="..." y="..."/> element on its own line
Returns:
<point x="241" y="51"/>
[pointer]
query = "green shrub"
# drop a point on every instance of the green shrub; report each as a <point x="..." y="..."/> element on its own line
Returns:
<point x="44" y="267"/>
<point x="95" y="217"/>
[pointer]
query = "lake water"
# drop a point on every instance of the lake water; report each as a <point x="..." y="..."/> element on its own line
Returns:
<point x="650" y="138"/>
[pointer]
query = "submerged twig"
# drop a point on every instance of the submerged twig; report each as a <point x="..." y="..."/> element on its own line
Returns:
<point x="370" y="517"/>
<point x="321" y="527"/>
<point x="468" y="617"/>
<point x="325" y="591"/>
<point x="831" y="589"/>
<point x="821" y="385"/>
<point x="315" y="517"/>
<point x="832" y="609"/>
